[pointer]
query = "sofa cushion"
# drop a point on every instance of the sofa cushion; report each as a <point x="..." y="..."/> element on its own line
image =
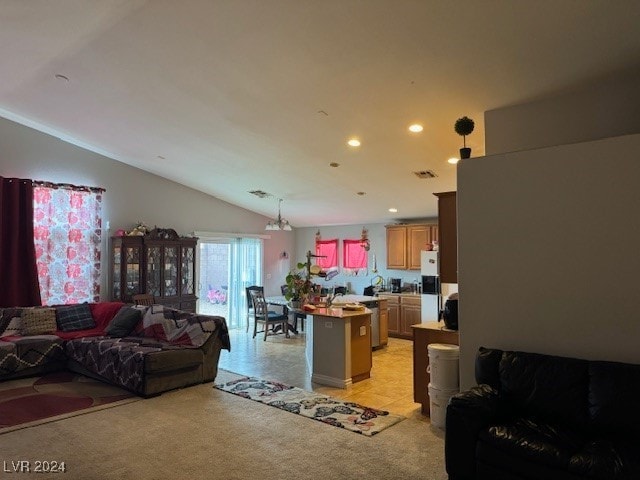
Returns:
<point x="614" y="393"/>
<point x="103" y="312"/>
<point x="544" y="443"/>
<point x="127" y="361"/>
<point x="176" y="326"/>
<point x="38" y="321"/>
<point x="14" y="326"/>
<point x="6" y="315"/>
<point x="607" y="459"/>
<point x="30" y="352"/>
<point x="8" y="358"/>
<point x="546" y="387"/>
<point x="124" y="322"/>
<point x="74" y="317"/>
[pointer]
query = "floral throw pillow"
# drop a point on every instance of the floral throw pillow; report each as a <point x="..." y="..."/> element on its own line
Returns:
<point x="38" y="321"/>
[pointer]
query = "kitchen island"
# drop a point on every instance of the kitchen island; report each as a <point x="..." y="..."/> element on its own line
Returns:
<point x="338" y="346"/>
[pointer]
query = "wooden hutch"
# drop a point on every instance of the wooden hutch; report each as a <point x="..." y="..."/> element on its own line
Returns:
<point x="160" y="263"/>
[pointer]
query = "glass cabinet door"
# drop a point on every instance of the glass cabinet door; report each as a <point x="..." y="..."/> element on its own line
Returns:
<point x="170" y="271"/>
<point x="132" y="274"/>
<point x="187" y="272"/>
<point x="154" y="262"/>
<point x="116" y="274"/>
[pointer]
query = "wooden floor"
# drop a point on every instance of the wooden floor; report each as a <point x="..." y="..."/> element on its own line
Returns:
<point x="278" y="358"/>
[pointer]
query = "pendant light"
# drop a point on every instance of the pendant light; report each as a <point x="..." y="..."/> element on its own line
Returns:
<point x="279" y="223"/>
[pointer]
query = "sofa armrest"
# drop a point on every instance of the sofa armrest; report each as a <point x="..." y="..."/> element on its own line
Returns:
<point x="468" y="413"/>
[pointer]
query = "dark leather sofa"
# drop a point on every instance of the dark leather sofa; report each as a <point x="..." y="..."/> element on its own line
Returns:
<point x="542" y="417"/>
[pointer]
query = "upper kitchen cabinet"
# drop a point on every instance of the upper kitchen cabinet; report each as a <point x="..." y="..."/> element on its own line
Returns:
<point x="448" y="231"/>
<point x="405" y="242"/>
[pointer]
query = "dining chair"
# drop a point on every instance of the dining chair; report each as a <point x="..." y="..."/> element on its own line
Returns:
<point x="143" y="299"/>
<point x="250" y="314"/>
<point x="261" y="314"/>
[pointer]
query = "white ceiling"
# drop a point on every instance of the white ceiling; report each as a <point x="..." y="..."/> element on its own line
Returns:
<point x="232" y="92"/>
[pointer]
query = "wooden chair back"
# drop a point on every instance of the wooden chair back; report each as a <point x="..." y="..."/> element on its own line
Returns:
<point x="143" y="299"/>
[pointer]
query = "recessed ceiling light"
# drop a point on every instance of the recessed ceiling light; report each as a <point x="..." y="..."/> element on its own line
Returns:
<point x="453" y="160"/>
<point x="62" y="77"/>
<point x="353" y="142"/>
<point x="416" y="128"/>
<point x="393" y="210"/>
<point x="334" y="164"/>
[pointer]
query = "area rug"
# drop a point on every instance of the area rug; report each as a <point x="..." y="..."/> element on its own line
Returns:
<point x="339" y="413"/>
<point x="32" y="401"/>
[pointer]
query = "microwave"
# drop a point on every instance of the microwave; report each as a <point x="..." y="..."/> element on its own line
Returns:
<point x="430" y="285"/>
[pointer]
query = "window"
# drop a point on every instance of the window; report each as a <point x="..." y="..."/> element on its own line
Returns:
<point x="354" y="256"/>
<point x="329" y="250"/>
<point x="67" y="227"/>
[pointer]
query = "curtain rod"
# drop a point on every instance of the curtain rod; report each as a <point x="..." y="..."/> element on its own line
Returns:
<point x="67" y="186"/>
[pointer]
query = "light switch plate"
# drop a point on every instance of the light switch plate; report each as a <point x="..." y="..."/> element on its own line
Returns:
<point x="363" y="331"/>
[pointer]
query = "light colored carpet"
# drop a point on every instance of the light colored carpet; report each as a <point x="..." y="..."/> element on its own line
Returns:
<point x="204" y="433"/>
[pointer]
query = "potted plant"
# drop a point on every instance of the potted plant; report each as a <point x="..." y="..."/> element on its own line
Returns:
<point x="299" y="285"/>
<point x="464" y="126"/>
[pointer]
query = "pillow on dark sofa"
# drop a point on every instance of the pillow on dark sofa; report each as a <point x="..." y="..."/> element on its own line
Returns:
<point x="123" y="322"/>
<point x="38" y="321"/>
<point x="74" y="317"/>
<point x="6" y="315"/>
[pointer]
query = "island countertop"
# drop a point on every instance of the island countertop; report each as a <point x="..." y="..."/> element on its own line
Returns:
<point x="336" y="312"/>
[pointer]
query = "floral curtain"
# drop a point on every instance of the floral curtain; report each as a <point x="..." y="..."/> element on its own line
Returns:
<point x="329" y="250"/>
<point x="355" y="258"/>
<point x="67" y="232"/>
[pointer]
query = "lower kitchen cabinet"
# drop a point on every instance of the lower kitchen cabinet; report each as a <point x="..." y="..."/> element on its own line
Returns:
<point x="404" y="311"/>
<point x="410" y="314"/>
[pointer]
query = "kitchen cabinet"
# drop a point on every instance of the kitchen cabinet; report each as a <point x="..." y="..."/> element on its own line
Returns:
<point x="405" y="242"/>
<point x="410" y="314"/>
<point x="393" y="319"/>
<point x="404" y="310"/>
<point x="160" y="263"/>
<point x="383" y="321"/>
<point x="448" y="236"/>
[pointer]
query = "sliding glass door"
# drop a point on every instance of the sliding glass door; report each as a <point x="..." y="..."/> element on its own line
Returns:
<point x="226" y="266"/>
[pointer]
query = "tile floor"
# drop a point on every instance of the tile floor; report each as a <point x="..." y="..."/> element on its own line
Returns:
<point x="278" y="358"/>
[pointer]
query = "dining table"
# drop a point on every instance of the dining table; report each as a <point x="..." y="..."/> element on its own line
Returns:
<point x="281" y="301"/>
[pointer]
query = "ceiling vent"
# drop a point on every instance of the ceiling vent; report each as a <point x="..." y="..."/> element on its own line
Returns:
<point x="260" y="193"/>
<point x="425" y="174"/>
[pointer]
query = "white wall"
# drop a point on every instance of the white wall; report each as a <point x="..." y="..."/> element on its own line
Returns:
<point x="548" y="257"/>
<point x="133" y="195"/>
<point x="603" y="108"/>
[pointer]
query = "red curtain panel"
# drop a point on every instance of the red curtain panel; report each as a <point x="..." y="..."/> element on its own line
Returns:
<point x="354" y="255"/>
<point x="329" y="250"/>
<point x="17" y="250"/>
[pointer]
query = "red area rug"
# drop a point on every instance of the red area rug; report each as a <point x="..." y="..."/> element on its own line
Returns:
<point x="32" y="401"/>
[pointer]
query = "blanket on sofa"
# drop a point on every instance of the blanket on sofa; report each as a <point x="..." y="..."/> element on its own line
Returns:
<point x="180" y="328"/>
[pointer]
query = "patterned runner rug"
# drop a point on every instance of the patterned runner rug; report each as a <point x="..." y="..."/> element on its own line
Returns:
<point x="336" y="412"/>
<point x="32" y="401"/>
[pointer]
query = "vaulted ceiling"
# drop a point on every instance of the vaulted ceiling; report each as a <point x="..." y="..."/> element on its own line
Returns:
<point x="231" y="96"/>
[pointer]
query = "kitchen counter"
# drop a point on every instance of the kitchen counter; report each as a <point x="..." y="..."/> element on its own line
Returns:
<point x="403" y="294"/>
<point x="338" y="346"/>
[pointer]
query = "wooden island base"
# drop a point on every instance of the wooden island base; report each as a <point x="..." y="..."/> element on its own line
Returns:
<point x="338" y="346"/>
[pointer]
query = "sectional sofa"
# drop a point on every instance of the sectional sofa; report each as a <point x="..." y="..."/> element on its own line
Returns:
<point x="147" y="350"/>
